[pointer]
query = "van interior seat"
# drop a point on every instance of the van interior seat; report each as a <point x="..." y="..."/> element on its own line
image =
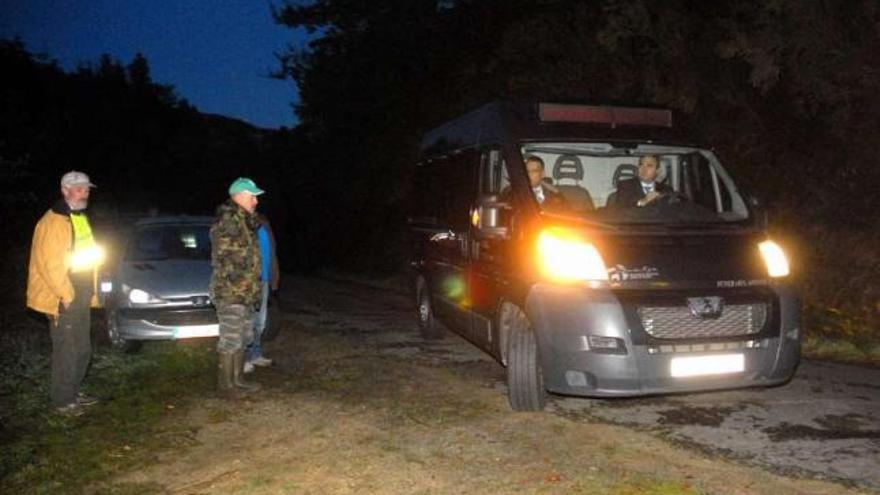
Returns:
<point x="568" y="172"/>
<point x="624" y="171"/>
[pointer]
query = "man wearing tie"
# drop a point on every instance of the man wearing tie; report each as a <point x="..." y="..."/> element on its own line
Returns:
<point x="644" y="189"/>
<point x="547" y="196"/>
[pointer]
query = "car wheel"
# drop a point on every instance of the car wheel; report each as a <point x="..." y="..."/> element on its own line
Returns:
<point x="429" y="327"/>
<point x="274" y="319"/>
<point x="525" y="380"/>
<point x="116" y="340"/>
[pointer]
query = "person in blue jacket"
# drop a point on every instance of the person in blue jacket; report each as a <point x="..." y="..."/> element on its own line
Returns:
<point x="269" y="279"/>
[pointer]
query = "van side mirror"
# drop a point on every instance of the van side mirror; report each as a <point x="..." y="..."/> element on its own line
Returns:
<point x="758" y="210"/>
<point x="491" y="218"/>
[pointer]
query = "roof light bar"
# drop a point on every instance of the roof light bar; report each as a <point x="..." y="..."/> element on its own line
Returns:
<point x="614" y="116"/>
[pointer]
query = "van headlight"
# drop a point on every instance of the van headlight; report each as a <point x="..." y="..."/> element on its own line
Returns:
<point x="774" y="259"/>
<point x="565" y="257"/>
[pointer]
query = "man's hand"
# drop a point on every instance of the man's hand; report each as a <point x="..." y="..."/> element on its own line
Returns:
<point x="651" y="196"/>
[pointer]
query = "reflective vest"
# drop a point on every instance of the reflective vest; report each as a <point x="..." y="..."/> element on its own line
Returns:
<point x="86" y="253"/>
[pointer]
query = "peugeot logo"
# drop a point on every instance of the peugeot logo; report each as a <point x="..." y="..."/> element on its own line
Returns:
<point x="707" y="308"/>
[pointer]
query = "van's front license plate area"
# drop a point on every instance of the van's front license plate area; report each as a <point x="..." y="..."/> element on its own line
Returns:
<point x="718" y="364"/>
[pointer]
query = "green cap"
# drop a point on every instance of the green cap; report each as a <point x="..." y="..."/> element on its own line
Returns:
<point x="243" y="184"/>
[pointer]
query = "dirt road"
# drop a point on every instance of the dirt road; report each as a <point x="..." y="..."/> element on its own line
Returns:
<point x="358" y="403"/>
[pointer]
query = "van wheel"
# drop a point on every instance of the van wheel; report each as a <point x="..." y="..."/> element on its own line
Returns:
<point x="525" y="380"/>
<point x="429" y="327"/>
<point x="119" y="343"/>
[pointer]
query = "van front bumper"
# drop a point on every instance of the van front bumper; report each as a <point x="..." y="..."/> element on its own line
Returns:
<point x="565" y="318"/>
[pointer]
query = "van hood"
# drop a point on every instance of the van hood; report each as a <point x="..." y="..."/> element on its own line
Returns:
<point x="681" y="260"/>
<point x="168" y="278"/>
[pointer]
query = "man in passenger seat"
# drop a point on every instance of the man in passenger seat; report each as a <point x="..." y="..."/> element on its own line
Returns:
<point x="547" y="196"/>
<point x="644" y="189"/>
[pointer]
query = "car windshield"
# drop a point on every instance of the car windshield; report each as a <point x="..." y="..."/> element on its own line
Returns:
<point x="602" y="182"/>
<point x="166" y="242"/>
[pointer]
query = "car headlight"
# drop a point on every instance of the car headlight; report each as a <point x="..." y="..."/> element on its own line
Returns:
<point x="774" y="259"/>
<point x="139" y="296"/>
<point x="565" y="257"/>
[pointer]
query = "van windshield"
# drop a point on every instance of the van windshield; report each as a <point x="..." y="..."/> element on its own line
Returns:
<point x="644" y="184"/>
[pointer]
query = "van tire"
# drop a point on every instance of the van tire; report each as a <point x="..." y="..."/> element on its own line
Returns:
<point x="429" y="327"/>
<point x="525" y="380"/>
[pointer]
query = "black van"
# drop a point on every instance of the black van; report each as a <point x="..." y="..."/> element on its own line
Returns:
<point x="610" y="289"/>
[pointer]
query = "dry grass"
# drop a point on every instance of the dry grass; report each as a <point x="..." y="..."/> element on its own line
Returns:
<point x="340" y="416"/>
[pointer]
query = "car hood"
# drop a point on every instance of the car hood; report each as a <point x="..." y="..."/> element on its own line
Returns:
<point x="168" y="278"/>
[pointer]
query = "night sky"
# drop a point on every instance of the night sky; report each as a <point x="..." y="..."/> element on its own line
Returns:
<point x="216" y="53"/>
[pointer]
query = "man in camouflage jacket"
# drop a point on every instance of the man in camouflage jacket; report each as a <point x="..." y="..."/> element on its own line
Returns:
<point x="235" y="282"/>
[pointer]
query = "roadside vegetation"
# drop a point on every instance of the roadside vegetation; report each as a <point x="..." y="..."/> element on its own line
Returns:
<point x="841" y="280"/>
<point x="46" y="453"/>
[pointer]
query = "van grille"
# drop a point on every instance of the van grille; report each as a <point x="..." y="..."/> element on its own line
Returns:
<point x="677" y="322"/>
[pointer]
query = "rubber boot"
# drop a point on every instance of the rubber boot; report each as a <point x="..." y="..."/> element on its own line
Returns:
<point x="238" y="377"/>
<point x="225" y="373"/>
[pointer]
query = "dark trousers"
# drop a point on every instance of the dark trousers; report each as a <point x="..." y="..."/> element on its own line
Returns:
<point x="71" y="347"/>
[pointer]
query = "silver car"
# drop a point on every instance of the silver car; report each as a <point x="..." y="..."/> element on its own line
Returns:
<point x="158" y="287"/>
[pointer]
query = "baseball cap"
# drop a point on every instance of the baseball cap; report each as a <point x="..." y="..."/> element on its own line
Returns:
<point x="76" y="178"/>
<point x="243" y="184"/>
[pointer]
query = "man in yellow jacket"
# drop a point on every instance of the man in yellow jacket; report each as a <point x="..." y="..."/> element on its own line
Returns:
<point x="61" y="284"/>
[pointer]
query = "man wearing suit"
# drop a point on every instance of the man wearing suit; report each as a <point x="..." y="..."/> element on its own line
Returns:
<point x="547" y="196"/>
<point x="644" y="189"/>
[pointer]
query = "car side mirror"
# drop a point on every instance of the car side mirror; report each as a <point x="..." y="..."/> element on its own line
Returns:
<point x="491" y="218"/>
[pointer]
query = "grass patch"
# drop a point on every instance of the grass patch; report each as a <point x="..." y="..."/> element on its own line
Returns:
<point x="846" y="351"/>
<point x="653" y="487"/>
<point x="45" y="453"/>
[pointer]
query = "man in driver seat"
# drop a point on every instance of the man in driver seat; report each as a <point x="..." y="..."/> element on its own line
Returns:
<point x="644" y="189"/>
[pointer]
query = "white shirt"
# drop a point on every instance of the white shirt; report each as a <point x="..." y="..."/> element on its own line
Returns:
<point x="647" y="187"/>
<point x="539" y="194"/>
